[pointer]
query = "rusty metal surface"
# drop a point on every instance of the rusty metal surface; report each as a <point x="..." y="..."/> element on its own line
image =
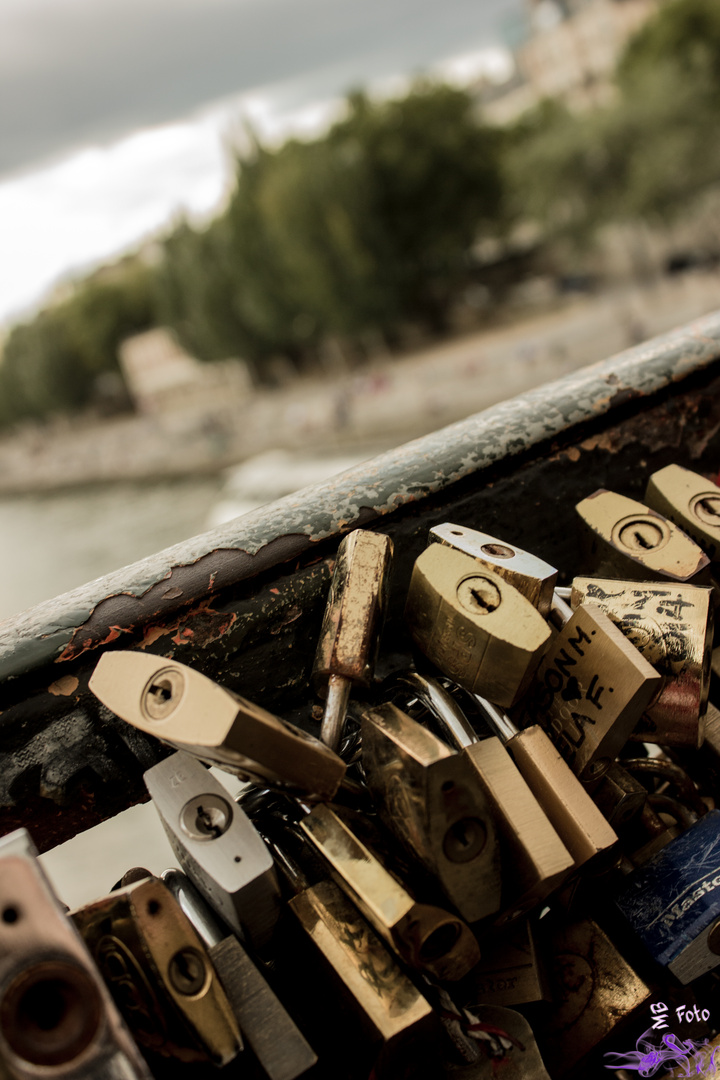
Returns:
<point x="244" y="602"/>
<point x="97" y="613"/>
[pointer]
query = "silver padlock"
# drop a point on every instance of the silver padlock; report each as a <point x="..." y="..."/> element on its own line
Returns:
<point x="217" y="845"/>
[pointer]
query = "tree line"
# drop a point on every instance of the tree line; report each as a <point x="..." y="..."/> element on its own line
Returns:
<point x="377" y="226"/>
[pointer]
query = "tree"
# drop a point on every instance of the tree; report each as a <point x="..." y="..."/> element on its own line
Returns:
<point x="669" y="78"/>
<point x="685" y="36"/>
<point x="50" y="365"/>
<point x="361" y="230"/>
<point x="433" y="185"/>
<point x="647" y="155"/>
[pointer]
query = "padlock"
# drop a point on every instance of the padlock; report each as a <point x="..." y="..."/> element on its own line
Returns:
<point x="672" y="626"/>
<point x="191" y="712"/>
<point x="273" y="1036"/>
<point x="473" y="625"/>
<point x="564" y="800"/>
<point x="217" y="845"/>
<point x="384" y="1014"/>
<point x="430" y="799"/>
<point x="650" y="832"/>
<point x="350" y="633"/>
<point x="691" y="502"/>
<point x="510" y="971"/>
<point x="595" y="993"/>
<point x="527" y="573"/>
<point x="507" y="1048"/>
<point x="619" y="796"/>
<point x="672" y="901"/>
<point x="57" y="1019"/>
<point x="534" y="858"/>
<point x="589" y="692"/>
<point x="668" y="773"/>
<point x="427" y="938"/>
<point x="704" y="763"/>
<point x="624" y="538"/>
<point x="158" y="971"/>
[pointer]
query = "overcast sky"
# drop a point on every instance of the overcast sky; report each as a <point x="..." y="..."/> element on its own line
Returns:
<point x="112" y="111"/>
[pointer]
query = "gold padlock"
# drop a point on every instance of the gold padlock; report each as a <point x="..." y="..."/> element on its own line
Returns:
<point x="57" y="1017"/>
<point x="426" y="937"/>
<point x="159" y="972"/>
<point x="594" y="989"/>
<point x="672" y="626"/>
<point x="567" y="804"/>
<point x="350" y="634"/>
<point x="429" y="798"/>
<point x="691" y="502"/>
<point x="624" y="538"/>
<point x="590" y="690"/>
<point x="527" y="573"/>
<point x="534" y="858"/>
<point x="382" y="1005"/>
<point x="191" y="712"/>
<point x="473" y="625"/>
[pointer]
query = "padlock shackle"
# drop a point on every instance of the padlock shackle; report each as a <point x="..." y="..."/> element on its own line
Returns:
<point x="560" y="611"/>
<point x="500" y="722"/>
<point x="450" y="717"/>
<point x="198" y="911"/>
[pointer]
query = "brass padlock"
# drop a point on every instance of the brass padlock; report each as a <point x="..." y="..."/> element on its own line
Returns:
<point x="527" y="573"/>
<point x="566" y="802"/>
<point x="387" y="1013"/>
<point x="534" y="859"/>
<point x="429" y="798"/>
<point x="473" y="625"/>
<point x="594" y="989"/>
<point x="672" y="626"/>
<point x="590" y="690"/>
<point x="157" y="969"/>
<point x="57" y="1018"/>
<point x="691" y="502"/>
<point x="626" y="539"/>
<point x="350" y="634"/>
<point x="191" y="712"/>
<point x="704" y="763"/>
<point x="510" y="971"/>
<point x="619" y="796"/>
<point x="273" y="1036"/>
<point x="426" y="937"/>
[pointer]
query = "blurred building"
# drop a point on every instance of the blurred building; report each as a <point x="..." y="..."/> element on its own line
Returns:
<point x="565" y="49"/>
<point x="166" y="382"/>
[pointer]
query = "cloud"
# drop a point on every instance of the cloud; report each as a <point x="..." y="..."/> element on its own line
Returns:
<point x="91" y="72"/>
<point x="78" y="71"/>
<point x="99" y="201"/>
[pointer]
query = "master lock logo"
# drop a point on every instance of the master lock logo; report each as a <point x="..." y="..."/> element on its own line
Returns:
<point x="678" y="910"/>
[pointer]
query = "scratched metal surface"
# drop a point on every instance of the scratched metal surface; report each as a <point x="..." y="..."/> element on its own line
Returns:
<point x="244" y="602"/>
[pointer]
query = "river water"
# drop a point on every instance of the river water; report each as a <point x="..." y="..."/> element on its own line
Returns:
<point x="55" y="542"/>
<point x="52" y="543"/>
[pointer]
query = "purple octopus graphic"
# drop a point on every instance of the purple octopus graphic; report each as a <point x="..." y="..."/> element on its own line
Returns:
<point x="647" y="1059"/>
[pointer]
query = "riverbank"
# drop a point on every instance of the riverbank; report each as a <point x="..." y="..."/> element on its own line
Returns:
<point x="386" y="403"/>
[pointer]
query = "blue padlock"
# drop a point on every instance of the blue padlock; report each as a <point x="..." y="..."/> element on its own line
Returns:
<point x="673" y="901"/>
